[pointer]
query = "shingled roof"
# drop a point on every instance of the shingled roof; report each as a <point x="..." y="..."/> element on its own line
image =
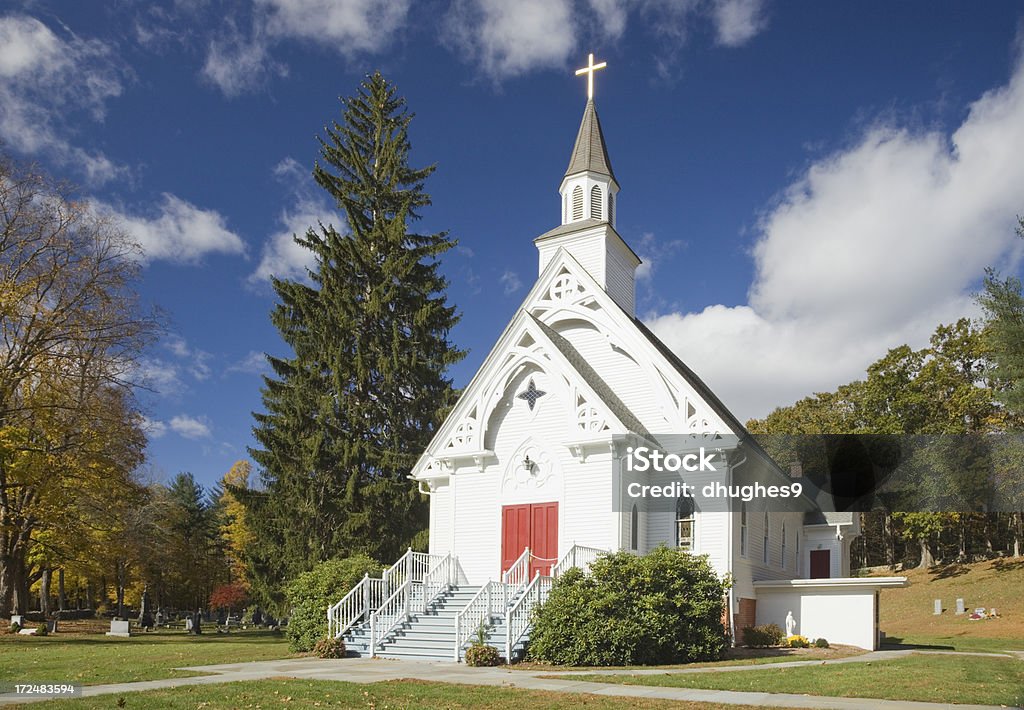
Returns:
<point x="590" y="153"/>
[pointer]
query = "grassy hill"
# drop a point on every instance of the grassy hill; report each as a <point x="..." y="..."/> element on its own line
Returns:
<point x="906" y="614"/>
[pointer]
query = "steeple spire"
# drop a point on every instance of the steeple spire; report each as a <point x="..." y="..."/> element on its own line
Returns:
<point x="589" y="153"/>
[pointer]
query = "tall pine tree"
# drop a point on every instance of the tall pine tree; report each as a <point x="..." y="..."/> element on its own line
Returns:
<point x="348" y="415"/>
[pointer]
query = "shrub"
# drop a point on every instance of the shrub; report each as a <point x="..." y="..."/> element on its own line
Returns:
<point x="42" y="630"/>
<point x="14" y="628"/>
<point x="310" y="595"/>
<point x="821" y="643"/>
<point x="482" y="655"/>
<point x="797" y="641"/>
<point x="329" y="648"/>
<point x="664" y="607"/>
<point x="762" y="636"/>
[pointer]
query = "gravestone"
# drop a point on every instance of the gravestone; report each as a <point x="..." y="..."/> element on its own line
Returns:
<point x="51" y="626"/>
<point x="27" y="632"/>
<point x="188" y="623"/>
<point x="17" y="619"/>
<point x="120" y="628"/>
<point x="960" y="606"/>
<point x="938" y="607"/>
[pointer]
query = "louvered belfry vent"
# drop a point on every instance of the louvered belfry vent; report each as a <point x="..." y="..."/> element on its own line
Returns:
<point x="577" y="203"/>
<point x="595" y="202"/>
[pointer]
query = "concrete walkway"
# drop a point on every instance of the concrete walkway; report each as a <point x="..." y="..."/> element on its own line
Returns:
<point x="368" y="670"/>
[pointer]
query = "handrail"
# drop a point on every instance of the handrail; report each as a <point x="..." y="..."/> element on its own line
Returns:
<point x="410" y="567"/>
<point x="392" y="612"/>
<point x="342" y="615"/>
<point x="517" y="620"/>
<point x="518" y="575"/>
<point x="577" y="556"/>
<point x="480" y="608"/>
<point x="438" y="579"/>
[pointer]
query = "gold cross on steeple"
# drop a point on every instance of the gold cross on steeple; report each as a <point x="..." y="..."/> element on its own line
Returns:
<point x="589" y="71"/>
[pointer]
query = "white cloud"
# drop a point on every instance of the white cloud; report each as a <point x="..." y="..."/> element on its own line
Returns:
<point x="282" y="257"/>
<point x="179" y="231"/>
<point x="508" y="39"/>
<point x="153" y="428"/>
<point x="47" y="83"/>
<point x="871" y="248"/>
<point x="254" y="363"/>
<point x="351" y="27"/>
<point x="158" y="375"/>
<point x="737" y="21"/>
<point x="190" y="427"/>
<point x="511" y="281"/>
<point x="236" y="64"/>
<point x="198" y="360"/>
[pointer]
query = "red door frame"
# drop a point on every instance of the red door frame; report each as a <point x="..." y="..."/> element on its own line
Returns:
<point x="534" y="525"/>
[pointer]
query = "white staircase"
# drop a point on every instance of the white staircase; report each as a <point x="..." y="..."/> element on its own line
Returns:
<point x="417" y="611"/>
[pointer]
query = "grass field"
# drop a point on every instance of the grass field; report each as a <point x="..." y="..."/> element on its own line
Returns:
<point x="929" y="678"/>
<point x="906" y="614"/>
<point x="734" y="657"/>
<point x="92" y="659"/>
<point x="411" y="694"/>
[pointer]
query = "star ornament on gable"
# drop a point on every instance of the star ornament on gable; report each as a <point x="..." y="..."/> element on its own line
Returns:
<point x="531" y="394"/>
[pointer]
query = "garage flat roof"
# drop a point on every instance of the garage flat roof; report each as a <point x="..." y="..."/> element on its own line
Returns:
<point x="831" y="583"/>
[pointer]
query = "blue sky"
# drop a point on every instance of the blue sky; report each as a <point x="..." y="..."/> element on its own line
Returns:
<point x="808" y="183"/>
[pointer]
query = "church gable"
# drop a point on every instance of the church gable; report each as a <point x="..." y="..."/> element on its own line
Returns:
<point x="524" y="379"/>
<point x="649" y="384"/>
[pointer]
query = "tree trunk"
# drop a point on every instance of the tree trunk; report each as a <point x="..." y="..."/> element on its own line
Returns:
<point x="1018" y="519"/>
<point x="121" y="583"/>
<point x="926" y="554"/>
<point x="62" y="601"/>
<point x="44" y="592"/>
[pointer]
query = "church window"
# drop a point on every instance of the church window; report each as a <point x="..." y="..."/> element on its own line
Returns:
<point x="783" y="544"/>
<point x="634" y="528"/>
<point x="685" y="523"/>
<point x="764" y="549"/>
<point x="577" y="202"/>
<point x="743" y="529"/>
<point x="611" y="208"/>
<point x="595" y="202"/>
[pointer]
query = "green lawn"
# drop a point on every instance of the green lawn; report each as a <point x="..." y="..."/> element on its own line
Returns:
<point x="90" y="659"/>
<point x="930" y="678"/>
<point x="734" y="657"/>
<point x="392" y="695"/>
<point x="955" y="642"/>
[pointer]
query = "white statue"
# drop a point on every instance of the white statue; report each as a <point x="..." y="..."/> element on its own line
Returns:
<point x="790" y="624"/>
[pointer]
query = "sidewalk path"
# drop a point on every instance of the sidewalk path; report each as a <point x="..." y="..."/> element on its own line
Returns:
<point x="369" y="670"/>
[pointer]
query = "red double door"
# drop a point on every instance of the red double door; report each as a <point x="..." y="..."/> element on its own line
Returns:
<point x="534" y="525"/>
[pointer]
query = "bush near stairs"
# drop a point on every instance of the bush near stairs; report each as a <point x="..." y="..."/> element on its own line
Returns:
<point x="663" y="607"/>
<point x="310" y="595"/>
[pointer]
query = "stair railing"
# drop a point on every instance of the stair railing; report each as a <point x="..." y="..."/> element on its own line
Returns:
<point x="484" y="604"/>
<point x="517" y="620"/>
<point x="438" y="580"/>
<point x="369" y="593"/>
<point x="391" y="613"/>
<point x="518" y="575"/>
<point x="577" y="556"/>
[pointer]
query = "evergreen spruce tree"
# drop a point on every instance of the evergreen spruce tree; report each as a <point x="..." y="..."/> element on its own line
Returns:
<point x="350" y="412"/>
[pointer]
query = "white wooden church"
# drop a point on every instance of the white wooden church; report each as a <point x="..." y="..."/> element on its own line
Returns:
<point x="528" y="477"/>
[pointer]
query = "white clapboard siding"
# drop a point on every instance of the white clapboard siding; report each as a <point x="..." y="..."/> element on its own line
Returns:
<point x="621" y="281"/>
<point x="441" y="520"/>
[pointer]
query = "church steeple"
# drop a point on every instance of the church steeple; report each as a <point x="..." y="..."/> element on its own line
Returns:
<point x="589" y="187"/>
<point x="589" y="192"/>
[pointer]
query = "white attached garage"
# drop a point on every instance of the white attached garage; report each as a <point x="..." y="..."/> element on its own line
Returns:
<point x="842" y="610"/>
